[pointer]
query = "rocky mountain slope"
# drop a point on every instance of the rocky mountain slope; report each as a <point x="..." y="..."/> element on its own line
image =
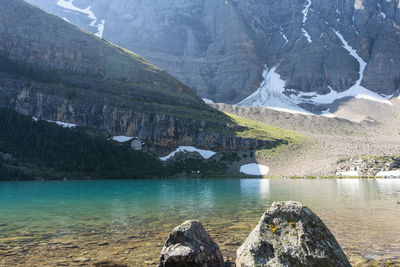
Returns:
<point x="345" y="136"/>
<point x="53" y="70"/>
<point x="312" y="52"/>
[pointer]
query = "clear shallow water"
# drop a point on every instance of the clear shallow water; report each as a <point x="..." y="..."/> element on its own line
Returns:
<point x="362" y="214"/>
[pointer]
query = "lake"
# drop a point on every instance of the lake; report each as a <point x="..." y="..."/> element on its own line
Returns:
<point x="83" y="222"/>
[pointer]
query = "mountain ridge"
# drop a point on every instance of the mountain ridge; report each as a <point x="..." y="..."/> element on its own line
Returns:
<point x="220" y="48"/>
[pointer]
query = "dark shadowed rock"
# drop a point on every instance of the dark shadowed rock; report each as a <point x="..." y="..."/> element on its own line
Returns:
<point x="107" y="263"/>
<point x="189" y="244"/>
<point x="290" y="234"/>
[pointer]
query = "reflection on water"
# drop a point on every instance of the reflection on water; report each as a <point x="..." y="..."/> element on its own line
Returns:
<point x="349" y="187"/>
<point x="264" y="189"/>
<point x="362" y="214"/>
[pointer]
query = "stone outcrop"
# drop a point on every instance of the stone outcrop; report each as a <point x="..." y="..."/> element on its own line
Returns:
<point x="189" y="245"/>
<point x="219" y="47"/>
<point x="368" y="166"/>
<point x="290" y="234"/>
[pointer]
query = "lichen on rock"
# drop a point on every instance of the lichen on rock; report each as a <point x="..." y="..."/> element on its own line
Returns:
<point x="290" y="234"/>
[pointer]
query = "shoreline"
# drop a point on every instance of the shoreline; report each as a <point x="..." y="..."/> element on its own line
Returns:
<point x="305" y="177"/>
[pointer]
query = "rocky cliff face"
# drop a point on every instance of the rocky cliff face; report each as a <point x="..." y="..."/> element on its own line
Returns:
<point x="161" y="131"/>
<point x="318" y="49"/>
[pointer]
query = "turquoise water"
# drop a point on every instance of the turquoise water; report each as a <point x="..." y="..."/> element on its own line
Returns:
<point x="362" y="214"/>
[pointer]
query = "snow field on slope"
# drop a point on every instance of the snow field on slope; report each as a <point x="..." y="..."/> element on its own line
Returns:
<point x="206" y="154"/>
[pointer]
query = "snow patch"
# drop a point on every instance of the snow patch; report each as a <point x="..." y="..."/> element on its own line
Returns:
<point x="100" y="28"/>
<point x="284" y="37"/>
<point x="254" y="169"/>
<point x="122" y="139"/>
<point x="395" y="173"/>
<point x="348" y="173"/>
<point x="328" y="114"/>
<point x="381" y="12"/>
<point x="357" y="90"/>
<point x="87" y="11"/>
<point x="305" y="11"/>
<point x="305" y="17"/>
<point x="354" y="54"/>
<point x="307" y="35"/>
<point x="270" y="95"/>
<point x="69" y="5"/>
<point x="35" y="119"/>
<point x="63" y="124"/>
<point x="206" y="154"/>
<point x="208" y="101"/>
<point x="354" y="27"/>
<point x="66" y="20"/>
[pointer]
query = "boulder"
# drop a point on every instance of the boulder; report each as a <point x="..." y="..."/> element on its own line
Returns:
<point x="189" y="245"/>
<point x="290" y="234"/>
<point x="137" y="144"/>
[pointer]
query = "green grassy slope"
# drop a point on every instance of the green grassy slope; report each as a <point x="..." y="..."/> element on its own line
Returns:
<point x="257" y="130"/>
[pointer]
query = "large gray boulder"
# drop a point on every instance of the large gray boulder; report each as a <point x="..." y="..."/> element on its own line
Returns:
<point x="189" y="245"/>
<point x="290" y="234"/>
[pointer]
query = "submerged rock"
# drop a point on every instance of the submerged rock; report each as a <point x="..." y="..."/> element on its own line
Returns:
<point x="189" y="244"/>
<point x="107" y="263"/>
<point x="81" y="259"/>
<point x="290" y="234"/>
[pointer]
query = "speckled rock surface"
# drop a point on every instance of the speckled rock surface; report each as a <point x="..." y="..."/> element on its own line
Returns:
<point x="290" y="234"/>
<point x="189" y="245"/>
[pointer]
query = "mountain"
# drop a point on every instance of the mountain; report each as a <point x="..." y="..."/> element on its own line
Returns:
<point x="54" y="71"/>
<point x="306" y="54"/>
